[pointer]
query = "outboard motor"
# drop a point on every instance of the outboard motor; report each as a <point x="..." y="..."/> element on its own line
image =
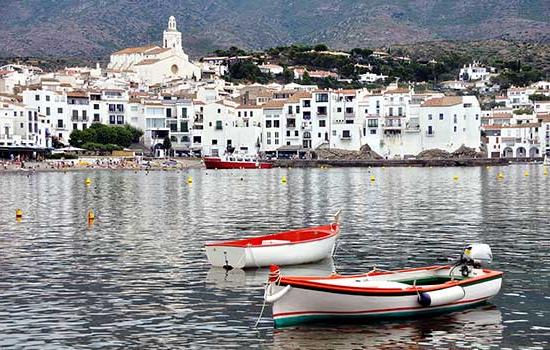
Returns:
<point x="474" y="256"/>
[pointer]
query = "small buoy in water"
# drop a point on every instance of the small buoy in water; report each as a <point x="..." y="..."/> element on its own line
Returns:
<point x="372" y="178"/>
<point x="488" y="167"/>
<point x="189" y="180"/>
<point x="88" y="181"/>
<point x="526" y="173"/>
<point x="500" y="176"/>
<point x="283" y="180"/>
<point x="455" y="178"/>
<point x="91" y="216"/>
<point x="545" y="173"/>
<point x="242" y="179"/>
<point x="18" y="213"/>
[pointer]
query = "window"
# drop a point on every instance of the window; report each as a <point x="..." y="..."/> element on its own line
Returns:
<point x="297" y="110"/>
<point x="333" y="132"/>
<point x="322" y="110"/>
<point x="306" y="103"/>
<point x="455" y="128"/>
<point x="429" y="117"/>
<point x="268" y="138"/>
<point x="289" y="109"/>
<point x="268" y="123"/>
<point x="339" y="109"/>
<point x="372" y="123"/>
<point x="84" y="126"/>
<point x="214" y="142"/>
<point x="276" y="124"/>
<point x="400" y="111"/>
<point x="391" y="112"/>
<point x="96" y="105"/>
<point x="112" y="119"/>
<point x="37" y="97"/>
<point x="96" y="117"/>
<point x="373" y="131"/>
<point x="346" y="134"/>
<point x="120" y="119"/>
<point x="197" y="139"/>
<point x="75" y="126"/>
<point x="430" y="130"/>
<point x="60" y="110"/>
<point x="455" y="120"/>
<point x="322" y="123"/>
<point x="219" y="111"/>
<point x="184" y="126"/>
<point x="321" y="98"/>
<point x="239" y="113"/>
<point x="296" y="133"/>
<point x="251" y="113"/>
<point x="349" y="110"/>
<point x="441" y="116"/>
<point x="219" y="125"/>
<point x="47" y="110"/>
<point x="288" y="133"/>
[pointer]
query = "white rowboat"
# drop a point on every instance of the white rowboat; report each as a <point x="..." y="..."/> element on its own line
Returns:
<point x="285" y="248"/>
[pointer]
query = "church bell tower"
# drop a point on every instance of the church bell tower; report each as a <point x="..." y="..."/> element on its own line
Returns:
<point x="172" y="38"/>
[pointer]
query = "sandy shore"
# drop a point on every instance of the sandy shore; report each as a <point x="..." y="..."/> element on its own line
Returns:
<point x="103" y="164"/>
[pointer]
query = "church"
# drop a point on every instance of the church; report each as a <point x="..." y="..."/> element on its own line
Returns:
<point x="153" y="64"/>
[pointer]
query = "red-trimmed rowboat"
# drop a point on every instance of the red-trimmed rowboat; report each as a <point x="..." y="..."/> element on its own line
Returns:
<point x="285" y="248"/>
<point x="379" y="294"/>
<point x="235" y="162"/>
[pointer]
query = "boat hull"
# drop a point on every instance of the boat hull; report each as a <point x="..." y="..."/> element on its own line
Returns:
<point x="301" y="305"/>
<point x="217" y="163"/>
<point x="278" y="254"/>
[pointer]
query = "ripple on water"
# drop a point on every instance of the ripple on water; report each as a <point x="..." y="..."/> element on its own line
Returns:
<point x="139" y="277"/>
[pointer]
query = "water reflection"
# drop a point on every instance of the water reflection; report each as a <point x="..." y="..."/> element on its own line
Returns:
<point x="475" y="329"/>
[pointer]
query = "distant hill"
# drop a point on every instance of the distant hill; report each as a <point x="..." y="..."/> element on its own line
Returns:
<point x="95" y="28"/>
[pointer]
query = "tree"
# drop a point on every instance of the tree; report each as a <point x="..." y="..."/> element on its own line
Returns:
<point x="288" y="75"/>
<point x="167" y="144"/>
<point x="320" y="47"/>
<point x="306" y="79"/>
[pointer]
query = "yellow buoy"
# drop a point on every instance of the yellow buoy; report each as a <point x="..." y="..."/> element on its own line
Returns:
<point x="545" y="173"/>
<point x="88" y="181"/>
<point x="455" y="178"/>
<point x="372" y="178"/>
<point x="18" y="213"/>
<point x="91" y="217"/>
<point x="500" y="176"/>
<point x="526" y="173"/>
<point x="189" y="180"/>
<point x="283" y="180"/>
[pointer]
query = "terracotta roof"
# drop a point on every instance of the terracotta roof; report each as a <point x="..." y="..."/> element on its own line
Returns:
<point x="147" y="62"/>
<point x="77" y="94"/>
<point x="133" y="50"/>
<point x="443" y="101"/>
<point x="397" y="91"/>
<point x="249" y="107"/>
<point x="513" y="126"/>
<point x="157" y="50"/>
<point x="197" y="102"/>
<point x="274" y="104"/>
<point x="299" y="95"/>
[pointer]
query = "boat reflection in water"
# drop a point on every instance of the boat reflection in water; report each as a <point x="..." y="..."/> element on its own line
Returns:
<point x="238" y="278"/>
<point x="474" y="328"/>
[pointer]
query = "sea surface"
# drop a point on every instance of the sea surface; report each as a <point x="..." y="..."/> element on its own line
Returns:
<point x="138" y="276"/>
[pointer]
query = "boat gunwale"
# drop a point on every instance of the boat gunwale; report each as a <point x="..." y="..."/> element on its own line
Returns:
<point x="327" y="230"/>
<point x="306" y="283"/>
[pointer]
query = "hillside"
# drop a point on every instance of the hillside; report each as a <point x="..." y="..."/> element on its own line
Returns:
<point x="95" y="28"/>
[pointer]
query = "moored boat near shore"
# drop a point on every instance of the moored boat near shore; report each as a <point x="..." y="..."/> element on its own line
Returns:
<point x="381" y="294"/>
<point x="235" y="162"/>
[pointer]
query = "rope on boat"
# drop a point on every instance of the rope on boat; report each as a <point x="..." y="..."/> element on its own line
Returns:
<point x="272" y="274"/>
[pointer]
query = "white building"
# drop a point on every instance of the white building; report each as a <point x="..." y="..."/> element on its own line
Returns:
<point x="474" y="71"/>
<point x="153" y="64"/>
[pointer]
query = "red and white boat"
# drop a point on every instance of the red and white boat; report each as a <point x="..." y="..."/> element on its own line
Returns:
<point x="384" y="294"/>
<point x="284" y="248"/>
<point x="235" y="162"/>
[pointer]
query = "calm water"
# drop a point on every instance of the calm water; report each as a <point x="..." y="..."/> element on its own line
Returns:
<point x="138" y="278"/>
